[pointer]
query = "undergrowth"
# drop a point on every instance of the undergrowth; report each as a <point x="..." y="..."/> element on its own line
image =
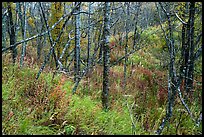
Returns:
<point x="47" y="106"/>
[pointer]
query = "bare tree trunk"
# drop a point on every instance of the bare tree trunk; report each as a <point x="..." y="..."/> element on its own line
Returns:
<point x="135" y="30"/>
<point x="3" y="31"/>
<point x="24" y="36"/>
<point x="106" y="56"/>
<point x="172" y="78"/>
<point x="40" y="44"/>
<point x="126" y="45"/>
<point x="12" y="33"/>
<point x="19" y="6"/>
<point x="97" y="46"/>
<point x="89" y="38"/>
<point x="39" y="39"/>
<point x="190" y="67"/>
<point x="183" y="50"/>
<point x="77" y="43"/>
<point x="101" y="43"/>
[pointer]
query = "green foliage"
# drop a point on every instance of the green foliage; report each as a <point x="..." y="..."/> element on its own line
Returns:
<point x="69" y="130"/>
<point x="24" y="124"/>
<point x="144" y="59"/>
<point x="68" y="87"/>
<point x="83" y="112"/>
<point x="152" y="36"/>
<point x="21" y="100"/>
<point x="30" y="20"/>
<point x="40" y="130"/>
<point x="89" y="115"/>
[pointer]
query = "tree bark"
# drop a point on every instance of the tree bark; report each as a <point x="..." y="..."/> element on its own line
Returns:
<point x="89" y="38"/>
<point x="106" y="56"/>
<point x="126" y="45"/>
<point x="135" y="30"/>
<point x="24" y="36"/>
<point x="190" y="68"/>
<point x="12" y="33"/>
<point x="77" y="43"/>
<point x="172" y="78"/>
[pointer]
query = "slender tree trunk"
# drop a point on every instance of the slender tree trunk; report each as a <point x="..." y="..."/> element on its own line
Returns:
<point x="77" y="43"/>
<point x="190" y="67"/>
<point x="135" y="30"/>
<point x="39" y="39"/>
<point x="106" y="56"/>
<point x="101" y="43"/>
<point x="97" y="46"/>
<point x="89" y="38"/>
<point x="182" y="59"/>
<point x="172" y="78"/>
<point x="19" y="5"/>
<point x="24" y="37"/>
<point x="113" y="15"/>
<point x="40" y="44"/>
<point x="4" y="32"/>
<point x="126" y="46"/>
<point x="12" y="33"/>
<point x="134" y="37"/>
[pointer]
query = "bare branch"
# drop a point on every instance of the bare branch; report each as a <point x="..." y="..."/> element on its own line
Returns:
<point x="183" y="102"/>
<point x="83" y="12"/>
<point x="180" y="19"/>
<point x="199" y="119"/>
<point x="67" y="45"/>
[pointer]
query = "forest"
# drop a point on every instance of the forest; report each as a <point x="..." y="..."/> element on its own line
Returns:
<point x="102" y="68"/>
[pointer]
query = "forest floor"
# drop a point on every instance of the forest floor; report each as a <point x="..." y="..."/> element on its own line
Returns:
<point x="47" y="106"/>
